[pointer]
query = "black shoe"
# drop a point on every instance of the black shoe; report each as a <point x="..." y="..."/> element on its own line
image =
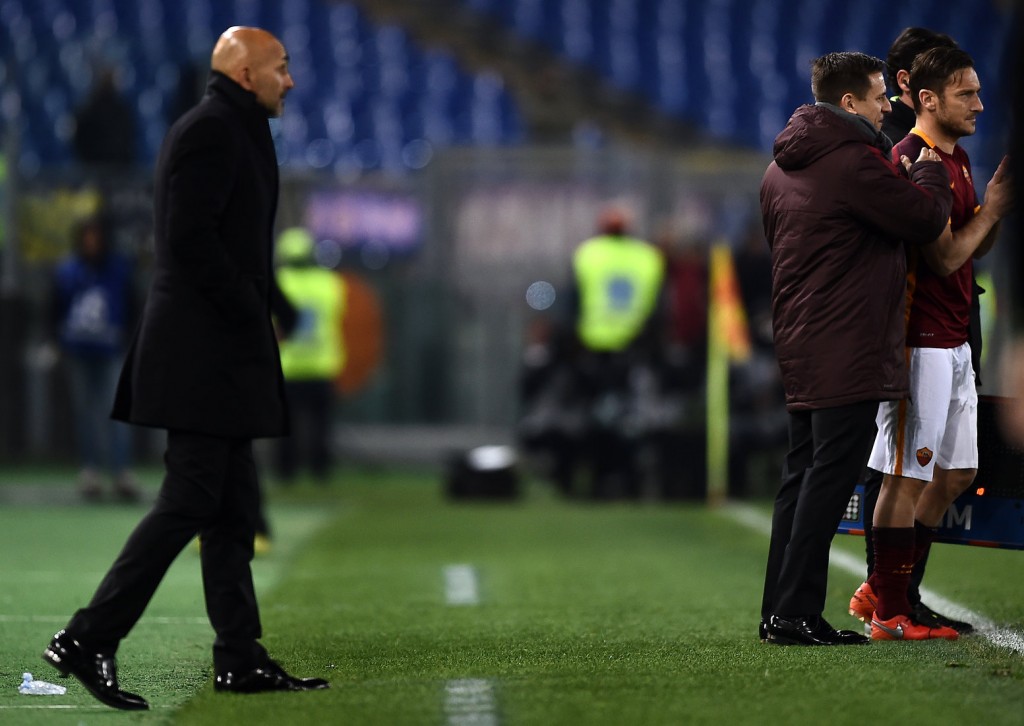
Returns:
<point x="269" y="677"/>
<point x="924" y="615"/>
<point x="762" y="631"/>
<point x="96" y="671"/>
<point x="810" y="630"/>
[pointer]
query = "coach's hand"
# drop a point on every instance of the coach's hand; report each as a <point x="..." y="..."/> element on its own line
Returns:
<point x="927" y="154"/>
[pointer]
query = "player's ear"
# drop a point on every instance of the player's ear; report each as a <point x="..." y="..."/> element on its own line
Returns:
<point x="927" y="98"/>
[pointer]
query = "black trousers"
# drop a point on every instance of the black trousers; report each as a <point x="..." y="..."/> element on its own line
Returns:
<point x="828" y="449"/>
<point x="310" y="403"/>
<point x="210" y="488"/>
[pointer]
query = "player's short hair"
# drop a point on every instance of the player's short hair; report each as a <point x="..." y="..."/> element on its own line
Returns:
<point x="908" y="45"/>
<point x="833" y="75"/>
<point x="936" y="69"/>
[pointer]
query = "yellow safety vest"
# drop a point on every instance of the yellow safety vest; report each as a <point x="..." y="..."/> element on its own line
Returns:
<point x="618" y="279"/>
<point x="315" y="349"/>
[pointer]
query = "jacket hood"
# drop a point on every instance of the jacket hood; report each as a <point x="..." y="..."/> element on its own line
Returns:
<point x="814" y="131"/>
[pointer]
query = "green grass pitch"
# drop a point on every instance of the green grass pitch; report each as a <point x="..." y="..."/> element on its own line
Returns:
<point x="556" y="613"/>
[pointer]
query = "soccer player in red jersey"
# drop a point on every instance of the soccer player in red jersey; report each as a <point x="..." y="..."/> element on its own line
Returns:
<point x="927" y="445"/>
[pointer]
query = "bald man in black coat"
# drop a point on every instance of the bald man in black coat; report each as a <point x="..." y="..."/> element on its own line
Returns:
<point x="205" y="366"/>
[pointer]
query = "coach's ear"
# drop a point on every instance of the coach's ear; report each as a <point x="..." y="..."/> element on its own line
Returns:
<point x="846" y="103"/>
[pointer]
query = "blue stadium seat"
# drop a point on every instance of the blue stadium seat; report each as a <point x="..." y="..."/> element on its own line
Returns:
<point x="668" y="57"/>
<point x="362" y="91"/>
<point x="738" y="67"/>
<point x="578" y="42"/>
<point x="528" y="18"/>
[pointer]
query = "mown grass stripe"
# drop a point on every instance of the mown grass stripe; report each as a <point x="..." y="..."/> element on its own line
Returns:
<point x="985" y="627"/>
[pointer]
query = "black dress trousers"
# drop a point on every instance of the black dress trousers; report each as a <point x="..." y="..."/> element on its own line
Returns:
<point x="210" y="488"/>
<point x="828" y="449"/>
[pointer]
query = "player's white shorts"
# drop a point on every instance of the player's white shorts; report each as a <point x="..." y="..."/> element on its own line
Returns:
<point x="938" y="424"/>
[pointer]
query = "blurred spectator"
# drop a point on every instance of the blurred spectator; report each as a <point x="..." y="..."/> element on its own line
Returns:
<point x="313" y="355"/>
<point x="681" y="449"/>
<point x="686" y="283"/>
<point x="754" y="270"/>
<point x="617" y="306"/>
<point x="92" y="307"/>
<point x="758" y="423"/>
<point x="551" y="419"/>
<point x="549" y="105"/>
<point x="105" y="128"/>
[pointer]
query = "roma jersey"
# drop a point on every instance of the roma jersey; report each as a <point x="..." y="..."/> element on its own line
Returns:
<point x="939" y="308"/>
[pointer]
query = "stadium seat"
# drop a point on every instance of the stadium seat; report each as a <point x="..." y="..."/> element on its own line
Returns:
<point x="347" y="68"/>
<point x="739" y="67"/>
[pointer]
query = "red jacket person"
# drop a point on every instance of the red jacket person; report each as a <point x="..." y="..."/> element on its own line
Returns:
<point x="836" y="214"/>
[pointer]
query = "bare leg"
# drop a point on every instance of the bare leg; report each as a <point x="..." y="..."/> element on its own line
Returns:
<point x="945" y="487"/>
<point x="897" y="501"/>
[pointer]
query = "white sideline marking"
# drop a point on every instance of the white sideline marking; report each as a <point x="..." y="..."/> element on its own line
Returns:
<point x="46" y="577"/>
<point x="470" y="702"/>
<point x="1001" y="637"/>
<point x="69" y="707"/>
<point x="460" y="585"/>
<point x="53" y="707"/>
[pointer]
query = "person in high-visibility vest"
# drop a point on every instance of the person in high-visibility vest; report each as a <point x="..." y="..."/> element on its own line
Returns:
<point x="312" y="356"/>
<point x="618" y="281"/>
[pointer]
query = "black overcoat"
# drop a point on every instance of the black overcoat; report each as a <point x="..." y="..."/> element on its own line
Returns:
<point x="204" y="358"/>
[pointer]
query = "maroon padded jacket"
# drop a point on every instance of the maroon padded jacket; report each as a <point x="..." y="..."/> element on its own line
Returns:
<point x="836" y="214"/>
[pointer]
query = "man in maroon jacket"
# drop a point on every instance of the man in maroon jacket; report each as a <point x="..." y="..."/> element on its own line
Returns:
<point x="927" y="446"/>
<point x="836" y="213"/>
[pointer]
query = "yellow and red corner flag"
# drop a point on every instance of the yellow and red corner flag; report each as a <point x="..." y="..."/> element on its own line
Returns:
<point x="727" y="324"/>
<point x="728" y="342"/>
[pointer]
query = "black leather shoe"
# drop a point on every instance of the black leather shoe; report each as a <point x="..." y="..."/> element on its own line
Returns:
<point x="762" y="631"/>
<point x="810" y="630"/>
<point x="924" y="615"/>
<point x="269" y="677"/>
<point x="96" y="671"/>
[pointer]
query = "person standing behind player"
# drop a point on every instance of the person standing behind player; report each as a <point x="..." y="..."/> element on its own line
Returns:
<point x="908" y="45"/>
<point x="927" y="446"/>
<point x="204" y="365"/>
<point x="836" y="212"/>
